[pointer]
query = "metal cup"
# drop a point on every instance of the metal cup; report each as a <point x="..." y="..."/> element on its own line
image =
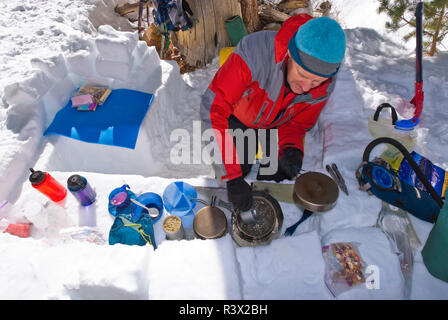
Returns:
<point x="172" y="225"/>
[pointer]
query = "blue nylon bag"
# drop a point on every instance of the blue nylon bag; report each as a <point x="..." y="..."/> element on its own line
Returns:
<point x="126" y="231"/>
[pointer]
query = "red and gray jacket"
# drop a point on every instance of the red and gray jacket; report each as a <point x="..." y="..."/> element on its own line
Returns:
<point x="251" y="86"/>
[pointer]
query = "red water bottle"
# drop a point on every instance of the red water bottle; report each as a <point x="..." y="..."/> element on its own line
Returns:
<point x="46" y="184"/>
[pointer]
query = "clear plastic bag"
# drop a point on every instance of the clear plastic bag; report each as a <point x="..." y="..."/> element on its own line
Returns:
<point x="87" y="234"/>
<point x="344" y="267"/>
<point x="403" y="239"/>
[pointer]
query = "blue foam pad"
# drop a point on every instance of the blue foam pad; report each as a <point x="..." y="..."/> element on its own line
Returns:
<point x="116" y="122"/>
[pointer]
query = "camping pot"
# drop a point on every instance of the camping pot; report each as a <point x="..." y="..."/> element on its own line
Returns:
<point x="316" y="191"/>
<point x="210" y="223"/>
<point x="269" y="220"/>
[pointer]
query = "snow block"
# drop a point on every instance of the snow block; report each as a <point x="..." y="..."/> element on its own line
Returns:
<point x="113" y="69"/>
<point x="53" y="66"/>
<point x="204" y="270"/>
<point x="29" y="90"/>
<point x="57" y="97"/>
<point x="287" y="268"/>
<point x="149" y="63"/>
<point x="115" y="49"/>
<point x="81" y="63"/>
<point x="140" y="52"/>
<point x="375" y="250"/>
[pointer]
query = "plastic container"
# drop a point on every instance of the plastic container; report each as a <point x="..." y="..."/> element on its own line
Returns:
<point x="120" y="201"/>
<point x="57" y="219"/>
<point x="172" y="225"/>
<point x="21" y="230"/>
<point x="404" y="131"/>
<point x="47" y="185"/>
<point x="35" y="213"/>
<point x="178" y="199"/>
<point x="235" y="29"/>
<point x="81" y="190"/>
<point x="149" y="200"/>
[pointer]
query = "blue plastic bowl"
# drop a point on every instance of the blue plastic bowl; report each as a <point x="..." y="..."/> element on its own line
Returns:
<point x="177" y="198"/>
<point x="150" y="200"/>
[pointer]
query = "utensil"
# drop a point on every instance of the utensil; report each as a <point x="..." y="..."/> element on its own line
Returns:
<point x="337" y="177"/>
<point x="153" y="212"/>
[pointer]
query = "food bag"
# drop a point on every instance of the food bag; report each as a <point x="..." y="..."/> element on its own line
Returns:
<point x="344" y="267"/>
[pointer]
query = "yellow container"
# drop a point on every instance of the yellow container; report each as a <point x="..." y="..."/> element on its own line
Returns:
<point x="224" y="54"/>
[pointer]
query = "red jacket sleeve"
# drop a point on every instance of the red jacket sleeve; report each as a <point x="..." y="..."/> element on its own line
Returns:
<point x="226" y="88"/>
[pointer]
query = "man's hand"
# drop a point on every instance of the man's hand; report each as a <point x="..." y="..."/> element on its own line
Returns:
<point x="240" y="194"/>
<point x="290" y="162"/>
<point x="289" y="166"/>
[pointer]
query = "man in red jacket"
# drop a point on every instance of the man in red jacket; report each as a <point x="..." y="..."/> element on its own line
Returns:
<point x="272" y="80"/>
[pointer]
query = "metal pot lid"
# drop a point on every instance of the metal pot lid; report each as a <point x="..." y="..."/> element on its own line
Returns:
<point x="210" y="223"/>
<point x="265" y="219"/>
<point x="316" y="191"/>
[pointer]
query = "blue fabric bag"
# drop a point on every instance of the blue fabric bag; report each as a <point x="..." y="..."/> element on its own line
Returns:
<point x="126" y="231"/>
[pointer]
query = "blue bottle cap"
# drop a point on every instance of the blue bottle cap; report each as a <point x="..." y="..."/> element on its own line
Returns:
<point x="406" y="125"/>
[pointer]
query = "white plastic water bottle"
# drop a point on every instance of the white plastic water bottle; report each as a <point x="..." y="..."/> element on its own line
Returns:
<point x="404" y="132"/>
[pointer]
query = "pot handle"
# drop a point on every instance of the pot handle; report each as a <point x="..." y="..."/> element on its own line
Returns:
<point x="290" y="230"/>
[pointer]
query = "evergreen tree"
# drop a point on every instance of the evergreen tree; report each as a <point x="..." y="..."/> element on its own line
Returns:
<point x="435" y="20"/>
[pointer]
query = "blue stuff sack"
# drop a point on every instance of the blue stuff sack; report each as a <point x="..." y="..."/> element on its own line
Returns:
<point x="126" y="231"/>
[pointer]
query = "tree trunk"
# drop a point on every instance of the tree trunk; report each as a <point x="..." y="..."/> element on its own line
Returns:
<point x="249" y="11"/>
<point x="433" y="49"/>
<point x="202" y="43"/>
<point x="271" y="15"/>
<point x="129" y="7"/>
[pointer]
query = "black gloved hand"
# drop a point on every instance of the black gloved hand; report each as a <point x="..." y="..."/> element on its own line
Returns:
<point x="290" y="162"/>
<point x="289" y="166"/>
<point x="240" y="194"/>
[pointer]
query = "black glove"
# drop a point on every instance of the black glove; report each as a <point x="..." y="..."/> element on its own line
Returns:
<point x="289" y="166"/>
<point x="240" y="194"/>
<point x="290" y="162"/>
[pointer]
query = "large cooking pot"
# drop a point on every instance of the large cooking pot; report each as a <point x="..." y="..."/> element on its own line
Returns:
<point x="267" y="225"/>
<point x="315" y="192"/>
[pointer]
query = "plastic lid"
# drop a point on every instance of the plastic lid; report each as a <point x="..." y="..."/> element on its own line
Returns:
<point x="36" y="177"/>
<point x="76" y="183"/>
<point x="406" y="125"/>
<point x="119" y="201"/>
<point x="177" y="198"/>
<point x="382" y="177"/>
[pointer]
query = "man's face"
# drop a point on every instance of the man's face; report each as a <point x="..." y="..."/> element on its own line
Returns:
<point x="300" y="80"/>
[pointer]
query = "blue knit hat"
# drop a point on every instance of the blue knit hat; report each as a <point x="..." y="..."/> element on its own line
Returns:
<point x="319" y="46"/>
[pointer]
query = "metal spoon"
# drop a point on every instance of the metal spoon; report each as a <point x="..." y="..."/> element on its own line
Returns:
<point x="153" y="212"/>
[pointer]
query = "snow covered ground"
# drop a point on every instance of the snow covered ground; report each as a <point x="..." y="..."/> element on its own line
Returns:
<point x="58" y="45"/>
